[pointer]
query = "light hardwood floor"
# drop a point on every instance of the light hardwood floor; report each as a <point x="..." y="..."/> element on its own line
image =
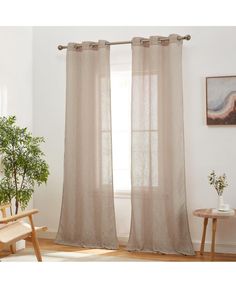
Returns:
<point x="48" y="244"/>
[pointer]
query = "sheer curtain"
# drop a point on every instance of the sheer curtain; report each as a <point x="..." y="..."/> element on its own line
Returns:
<point x="159" y="216"/>
<point x="87" y="213"/>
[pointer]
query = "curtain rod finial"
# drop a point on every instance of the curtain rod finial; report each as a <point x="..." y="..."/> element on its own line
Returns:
<point x="188" y="37"/>
<point x="59" y="47"/>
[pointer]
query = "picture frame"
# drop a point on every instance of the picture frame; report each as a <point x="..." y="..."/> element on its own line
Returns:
<point x="221" y="100"/>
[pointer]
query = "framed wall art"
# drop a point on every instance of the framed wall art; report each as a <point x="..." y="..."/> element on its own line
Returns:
<point x="221" y="100"/>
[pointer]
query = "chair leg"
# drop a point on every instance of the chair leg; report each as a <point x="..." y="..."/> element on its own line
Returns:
<point x="13" y="248"/>
<point x="35" y="240"/>
<point x="36" y="248"/>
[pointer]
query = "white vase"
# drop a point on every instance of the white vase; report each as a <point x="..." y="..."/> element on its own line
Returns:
<point x="220" y="202"/>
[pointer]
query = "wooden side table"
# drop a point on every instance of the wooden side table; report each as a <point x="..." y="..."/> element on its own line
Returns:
<point x="206" y="214"/>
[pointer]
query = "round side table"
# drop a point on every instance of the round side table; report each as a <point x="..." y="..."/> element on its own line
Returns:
<point x="214" y="215"/>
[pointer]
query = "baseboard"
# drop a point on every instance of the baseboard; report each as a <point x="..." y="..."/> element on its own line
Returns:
<point x="47" y="234"/>
<point x="123" y="240"/>
<point x="219" y="247"/>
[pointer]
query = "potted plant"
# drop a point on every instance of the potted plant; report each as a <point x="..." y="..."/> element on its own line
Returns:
<point x="22" y="164"/>
<point x="219" y="183"/>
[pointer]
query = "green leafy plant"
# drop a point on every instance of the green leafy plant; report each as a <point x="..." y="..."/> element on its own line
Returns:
<point x="22" y="163"/>
<point x="219" y="182"/>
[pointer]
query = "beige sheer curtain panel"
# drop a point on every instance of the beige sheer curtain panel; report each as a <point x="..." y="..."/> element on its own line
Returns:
<point x="159" y="216"/>
<point x="87" y="213"/>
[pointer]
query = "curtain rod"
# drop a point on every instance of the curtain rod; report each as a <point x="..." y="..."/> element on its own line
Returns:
<point x="186" y="37"/>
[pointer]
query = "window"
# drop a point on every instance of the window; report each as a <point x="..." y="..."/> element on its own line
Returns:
<point x="121" y="127"/>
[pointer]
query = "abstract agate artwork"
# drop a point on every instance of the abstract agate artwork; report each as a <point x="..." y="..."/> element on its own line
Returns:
<point x="221" y="100"/>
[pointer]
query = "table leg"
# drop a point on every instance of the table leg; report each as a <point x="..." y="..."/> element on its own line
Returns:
<point x="214" y="222"/>
<point x="203" y="235"/>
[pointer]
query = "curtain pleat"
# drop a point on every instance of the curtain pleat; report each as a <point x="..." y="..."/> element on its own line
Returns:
<point x="159" y="216"/>
<point x="87" y="213"/>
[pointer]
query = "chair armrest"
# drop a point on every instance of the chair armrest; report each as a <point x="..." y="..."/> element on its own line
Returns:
<point x="18" y="216"/>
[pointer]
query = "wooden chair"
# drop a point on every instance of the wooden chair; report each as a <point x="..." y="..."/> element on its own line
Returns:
<point x="14" y="229"/>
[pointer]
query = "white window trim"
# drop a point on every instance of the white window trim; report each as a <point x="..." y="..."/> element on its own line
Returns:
<point x="122" y="194"/>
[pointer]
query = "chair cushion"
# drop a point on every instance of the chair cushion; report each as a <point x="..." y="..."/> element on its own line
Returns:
<point x="14" y="231"/>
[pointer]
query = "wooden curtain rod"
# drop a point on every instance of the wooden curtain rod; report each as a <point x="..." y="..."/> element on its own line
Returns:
<point x="186" y="37"/>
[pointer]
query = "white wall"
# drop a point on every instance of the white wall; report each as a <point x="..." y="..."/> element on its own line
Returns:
<point x="16" y="75"/>
<point x="210" y="52"/>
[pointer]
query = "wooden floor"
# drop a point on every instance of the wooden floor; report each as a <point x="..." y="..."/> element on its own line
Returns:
<point x="47" y="244"/>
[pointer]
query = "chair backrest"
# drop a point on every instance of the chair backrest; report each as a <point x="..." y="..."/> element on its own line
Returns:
<point x="4" y="212"/>
<point x="4" y="208"/>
